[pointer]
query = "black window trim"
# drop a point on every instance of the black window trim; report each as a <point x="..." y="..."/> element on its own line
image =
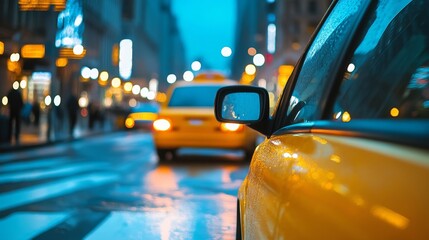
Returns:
<point x="413" y="133"/>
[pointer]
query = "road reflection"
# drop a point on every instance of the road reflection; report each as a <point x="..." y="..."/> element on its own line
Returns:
<point x="114" y="188"/>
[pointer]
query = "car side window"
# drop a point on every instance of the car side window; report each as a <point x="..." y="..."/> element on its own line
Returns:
<point x="321" y="60"/>
<point x="392" y="53"/>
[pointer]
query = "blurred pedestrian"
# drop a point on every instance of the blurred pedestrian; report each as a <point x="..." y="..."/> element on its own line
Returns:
<point x="72" y="108"/>
<point x="15" y="104"/>
<point x="92" y="115"/>
<point x="36" y="112"/>
<point x="26" y="113"/>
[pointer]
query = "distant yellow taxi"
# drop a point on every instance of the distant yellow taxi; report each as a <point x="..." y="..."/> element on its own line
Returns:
<point x="346" y="154"/>
<point x="142" y="116"/>
<point x="186" y="120"/>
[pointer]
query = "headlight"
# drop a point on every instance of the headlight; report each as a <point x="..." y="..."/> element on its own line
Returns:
<point x="161" y="125"/>
<point x="129" y="123"/>
<point x="231" y="127"/>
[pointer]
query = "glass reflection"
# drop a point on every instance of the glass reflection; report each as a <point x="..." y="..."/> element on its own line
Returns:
<point x="241" y="106"/>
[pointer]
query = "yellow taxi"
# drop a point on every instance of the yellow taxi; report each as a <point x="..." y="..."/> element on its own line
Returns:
<point x="346" y="154"/>
<point x="142" y="116"/>
<point x="186" y="120"/>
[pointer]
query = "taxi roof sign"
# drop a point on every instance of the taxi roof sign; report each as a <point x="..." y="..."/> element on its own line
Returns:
<point x="210" y="76"/>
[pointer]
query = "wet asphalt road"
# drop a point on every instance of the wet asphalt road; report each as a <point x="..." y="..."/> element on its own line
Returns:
<point x="112" y="187"/>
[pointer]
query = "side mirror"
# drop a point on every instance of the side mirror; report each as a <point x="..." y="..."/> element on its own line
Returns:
<point x="242" y="104"/>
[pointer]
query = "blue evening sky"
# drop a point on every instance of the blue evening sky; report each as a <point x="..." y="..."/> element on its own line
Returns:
<point x="206" y="26"/>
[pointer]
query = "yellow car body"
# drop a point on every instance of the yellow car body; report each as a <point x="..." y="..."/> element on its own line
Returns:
<point x="193" y="126"/>
<point x="319" y="186"/>
<point x="346" y="154"/>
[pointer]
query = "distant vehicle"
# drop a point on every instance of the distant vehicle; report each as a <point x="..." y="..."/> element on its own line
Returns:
<point x="142" y="116"/>
<point x="346" y="154"/>
<point x="187" y="120"/>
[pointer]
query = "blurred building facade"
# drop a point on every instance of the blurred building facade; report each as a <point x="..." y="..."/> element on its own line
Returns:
<point x="279" y="30"/>
<point x="98" y="27"/>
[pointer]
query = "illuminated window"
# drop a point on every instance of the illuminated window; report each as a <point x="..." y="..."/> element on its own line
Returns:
<point x="70" y="25"/>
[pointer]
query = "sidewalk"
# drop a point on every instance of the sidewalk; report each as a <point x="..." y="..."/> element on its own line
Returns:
<point x="34" y="136"/>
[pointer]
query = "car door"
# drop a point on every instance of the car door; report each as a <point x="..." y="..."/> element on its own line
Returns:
<point x="271" y="167"/>
<point x="352" y="162"/>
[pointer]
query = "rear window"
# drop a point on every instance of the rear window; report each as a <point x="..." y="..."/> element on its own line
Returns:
<point x="193" y="96"/>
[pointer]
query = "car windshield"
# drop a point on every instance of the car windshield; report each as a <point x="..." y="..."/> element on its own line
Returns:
<point x="194" y="96"/>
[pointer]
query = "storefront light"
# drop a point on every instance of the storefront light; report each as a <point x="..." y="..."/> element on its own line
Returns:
<point x="78" y="49"/>
<point x="48" y="100"/>
<point x="136" y="89"/>
<point x="144" y="92"/>
<point x="15" y="85"/>
<point x="128" y="86"/>
<point x="1" y="48"/>
<point x="14" y="57"/>
<point x="85" y="72"/>
<point x="61" y="62"/>
<point x="104" y="76"/>
<point x="83" y="102"/>
<point x="151" y="95"/>
<point x="23" y="83"/>
<point x="4" y="101"/>
<point x="57" y="100"/>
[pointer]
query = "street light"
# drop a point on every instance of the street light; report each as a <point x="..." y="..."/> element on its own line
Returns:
<point x="144" y="92"/>
<point x="226" y="51"/>
<point x="116" y="82"/>
<point x="196" y="66"/>
<point x="171" y="78"/>
<point x="258" y="60"/>
<point x="94" y="73"/>
<point x="251" y="51"/>
<point x="188" y="76"/>
<point x="250" y="69"/>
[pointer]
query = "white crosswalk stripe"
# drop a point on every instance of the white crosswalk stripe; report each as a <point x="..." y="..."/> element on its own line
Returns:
<point x="28" y="225"/>
<point x="54" y="189"/>
<point x="33" y="164"/>
<point x="51" y="172"/>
